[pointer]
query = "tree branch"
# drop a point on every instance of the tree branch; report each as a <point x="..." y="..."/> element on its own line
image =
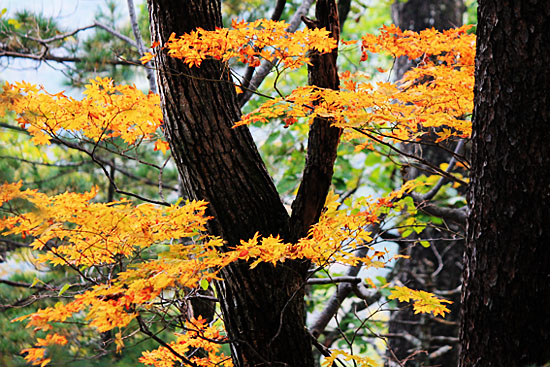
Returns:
<point x="117" y="34"/>
<point x="342" y="291"/>
<point x="61" y="59"/>
<point x="265" y="67"/>
<point x="45" y="287"/>
<point x="13" y="243"/>
<point x="443" y="180"/>
<point x="334" y="280"/>
<point x="140" y="46"/>
<point x="45" y="55"/>
<point x="456" y="215"/>
<point x="144" y="329"/>
<point x="59" y="37"/>
<point x="103" y="163"/>
<point x="419" y="159"/>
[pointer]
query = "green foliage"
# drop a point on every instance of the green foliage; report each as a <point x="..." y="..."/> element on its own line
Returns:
<point x="21" y="31"/>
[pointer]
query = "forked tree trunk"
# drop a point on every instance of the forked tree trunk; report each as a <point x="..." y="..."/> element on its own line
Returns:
<point x="263" y="309"/>
<point x="506" y="293"/>
<point x="420" y="339"/>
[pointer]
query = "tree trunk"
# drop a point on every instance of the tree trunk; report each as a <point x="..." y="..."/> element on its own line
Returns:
<point x="506" y="293"/>
<point x="437" y="268"/>
<point x="263" y="308"/>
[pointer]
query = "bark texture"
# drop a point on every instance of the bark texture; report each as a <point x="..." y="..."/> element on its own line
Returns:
<point x="421" y="339"/>
<point x="263" y="308"/>
<point x="506" y="294"/>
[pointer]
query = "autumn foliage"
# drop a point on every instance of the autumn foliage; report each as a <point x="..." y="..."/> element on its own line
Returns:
<point x="161" y="250"/>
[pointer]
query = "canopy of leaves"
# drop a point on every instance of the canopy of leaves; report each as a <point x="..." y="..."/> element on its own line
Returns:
<point x="140" y="262"/>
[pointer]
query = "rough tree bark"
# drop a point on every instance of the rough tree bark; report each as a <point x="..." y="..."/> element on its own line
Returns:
<point x="263" y="308"/>
<point x="437" y="268"/>
<point x="506" y="293"/>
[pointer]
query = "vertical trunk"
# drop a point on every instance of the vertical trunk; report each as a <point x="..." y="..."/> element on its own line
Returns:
<point x="506" y="293"/>
<point x="437" y="268"/>
<point x="262" y="308"/>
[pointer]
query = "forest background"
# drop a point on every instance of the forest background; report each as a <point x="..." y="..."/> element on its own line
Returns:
<point x="367" y="329"/>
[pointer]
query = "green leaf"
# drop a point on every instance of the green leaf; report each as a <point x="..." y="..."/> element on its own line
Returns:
<point x="204" y="284"/>
<point x="64" y="289"/>
<point x="425" y="243"/>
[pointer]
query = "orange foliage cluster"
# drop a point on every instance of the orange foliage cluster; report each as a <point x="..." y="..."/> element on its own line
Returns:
<point x="424" y="302"/>
<point x="78" y="232"/>
<point x="249" y="43"/>
<point x="86" y="233"/>
<point x="37" y="354"/>
<point x="97" y="233"/>
<point x="451" y="46"/>
<point x="199" y="335"/>
<point x="107" y="111"/>
<point x="438" y="93"/>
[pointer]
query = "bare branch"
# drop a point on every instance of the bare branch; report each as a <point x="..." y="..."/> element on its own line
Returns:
<point x="140" y="46"/>
<point x="57" y="165"/>
<point x="144" y="329"/>
<point x="419" y="159"/>
<point x="45" y="287"/>
<point x="342" y="291"/>
<point x="103" y="163"/>
<point x="450" y="292"/>
<point x="12" y="243"/>
<point x="443" y="180"/>
<point x="368" y="295"/>
<point x="456" y="215"/>
<point x="117" y="34"/>
<point x="334" y="280"/>
<point x="440" y="351"/>
<point x="61" y="59"/>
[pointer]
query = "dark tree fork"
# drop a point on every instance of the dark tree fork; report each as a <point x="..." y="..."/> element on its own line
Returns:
<point x="263" y="308"/>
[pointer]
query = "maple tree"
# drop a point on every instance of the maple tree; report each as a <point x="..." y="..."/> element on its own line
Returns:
<point x="147" y="257"/>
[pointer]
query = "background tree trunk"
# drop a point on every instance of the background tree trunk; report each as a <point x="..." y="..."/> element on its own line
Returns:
<point x="506" y="294"/>
<point x="437" y="268"/>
